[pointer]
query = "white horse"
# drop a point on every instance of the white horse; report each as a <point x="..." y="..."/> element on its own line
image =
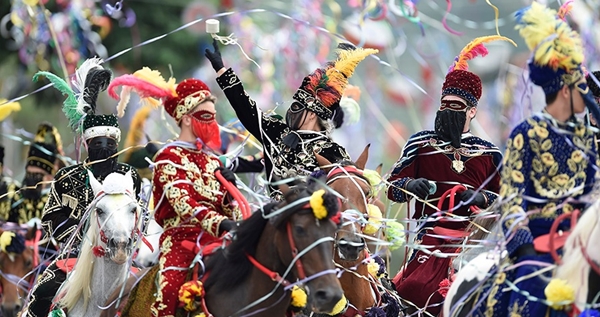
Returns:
<point x="106" y="250"/>
<point x="580" y="268"/>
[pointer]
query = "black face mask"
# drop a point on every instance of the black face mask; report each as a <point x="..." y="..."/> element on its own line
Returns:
<point x="101" y="148"/>
<point x="295" y="116"/>
<point x="30" y="182"/>
<point x="449" y="126"/>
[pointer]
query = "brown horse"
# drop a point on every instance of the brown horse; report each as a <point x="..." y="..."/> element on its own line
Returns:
<point x="283" y="240"/>
<point x="350" y="247"/>
<point x="17" y="260"/>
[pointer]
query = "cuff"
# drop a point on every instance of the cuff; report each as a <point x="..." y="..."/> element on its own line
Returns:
<point x="395" y="191"/>
<point x="228" y="79"/>
<point x="490" y="197"/>
<point x="211" y="223"/>
<point x="523" y="236"/>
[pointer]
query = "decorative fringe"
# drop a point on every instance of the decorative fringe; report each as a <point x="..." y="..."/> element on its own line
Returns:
<point x="70" y="106"/>
<point x="553" y="42"/>
<point x="7" y="108"/>
<point x="475" y="48"/>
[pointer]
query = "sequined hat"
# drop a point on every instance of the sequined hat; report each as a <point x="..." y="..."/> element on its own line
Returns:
<point x="321" y="91"/>
<point x="459" y="80"/>
<point x="190" y="93"/>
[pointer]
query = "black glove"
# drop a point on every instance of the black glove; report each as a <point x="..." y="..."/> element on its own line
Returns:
<point x="419" y="187"/>
<point x="227" y="174"/>
<point x="227" y="225"/>
<point x="478" y="200"/>
<point x="525" y="250"/>
<point x="214" y="57"/>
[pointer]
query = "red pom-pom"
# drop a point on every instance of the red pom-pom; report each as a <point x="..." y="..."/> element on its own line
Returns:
<point x="337" y="218"/>
<point x="98" y="251"/>
<point x="444" y="287"/>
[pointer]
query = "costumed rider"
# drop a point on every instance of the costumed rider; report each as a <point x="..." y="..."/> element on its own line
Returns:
<point x="289" y="146"/>
<point x="191" y="202"/>
<point x="595" y="89"/>
<point x="549" y="164"/>
<point x="431" y="165"/>
<point x="8" y="186"/>
<point x="42" y="162"/>
<point x="71" y="193"/>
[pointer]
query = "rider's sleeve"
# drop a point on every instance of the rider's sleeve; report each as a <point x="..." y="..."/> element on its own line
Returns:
<point x="334" y="153"/>
<point x="492" y="188"/>
<point x="242" y="164"/>
<point x="56" y="219"/>
<point x="171" y="174"/>
<point x="515" y="177"/>
<point x="253" y="119"/>
<point x="405" y="168"/>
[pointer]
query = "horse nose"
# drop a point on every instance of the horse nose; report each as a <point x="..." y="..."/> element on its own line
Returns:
<point x="326" y="299"/>
<point x="119" y="243"/>
<point x="10" y="310"/>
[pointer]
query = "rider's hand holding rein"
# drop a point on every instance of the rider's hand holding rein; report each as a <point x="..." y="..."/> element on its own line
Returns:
<point x="419" y="187"/>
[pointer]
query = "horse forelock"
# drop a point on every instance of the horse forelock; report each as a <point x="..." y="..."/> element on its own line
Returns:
<point x="117" y="183"/>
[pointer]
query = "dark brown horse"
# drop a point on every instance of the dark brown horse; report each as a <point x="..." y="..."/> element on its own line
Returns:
<point x="350" y="247"/>
<point x="284" y="238"/>
<point x="16" y="262"/>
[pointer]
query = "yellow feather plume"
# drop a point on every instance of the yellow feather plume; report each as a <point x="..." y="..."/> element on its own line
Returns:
<point x="136" y="129"/>
<point x="475" y="48"/>
<point x="345" y="65"/>
<point x="154" y="77"/>
<point x="554" y="43"/>
<point x="8" y="108"/>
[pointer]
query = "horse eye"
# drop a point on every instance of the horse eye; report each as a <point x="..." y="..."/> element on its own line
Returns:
<point x="299" y="230"/>
<point x="133" y="210"/>
<point x="28" y="263"/>
<point x="99" y="211"/>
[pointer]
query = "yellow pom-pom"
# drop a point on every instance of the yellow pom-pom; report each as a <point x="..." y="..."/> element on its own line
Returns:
<point x="375" y="217"/>
<point x="559" y="293"/>
<point x="373" y="268"/>
<point x="374" y="179"/>
<point x="316" y="203"/>
<point x="188" y="293"/>
<point x="6" y="239"/>
<point x="340" y="307"/>
<point x="299" y="297"/>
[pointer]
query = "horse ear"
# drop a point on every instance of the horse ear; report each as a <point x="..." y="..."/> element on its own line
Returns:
<point x="324" y="163"/>
<point x="96" y="186"/>
<point x="361" y="162"/>
<point x="379" y="168"/>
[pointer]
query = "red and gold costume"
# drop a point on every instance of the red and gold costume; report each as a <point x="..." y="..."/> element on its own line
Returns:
<point x="190" y="202"/>
<point x="464" y="159"/>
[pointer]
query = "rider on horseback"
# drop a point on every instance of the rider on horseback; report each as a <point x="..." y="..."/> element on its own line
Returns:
<point x="449" y="156"/>
<point x="289" y="146"/>
<point x="549" y="164"/>
<point x="71" y="193"/>
<point x="28" y="203"/>
<point x="191" y="204"/>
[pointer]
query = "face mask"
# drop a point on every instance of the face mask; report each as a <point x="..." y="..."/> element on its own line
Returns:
<point x="206" y="128"/>
<point x="30" y="182"/>
<point x="295" y="116"/>
<point x="449" y="126"/>
<point x="101" y="148"/>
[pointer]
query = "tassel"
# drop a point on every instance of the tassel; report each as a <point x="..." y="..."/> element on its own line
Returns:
<point x="99" y="251"/>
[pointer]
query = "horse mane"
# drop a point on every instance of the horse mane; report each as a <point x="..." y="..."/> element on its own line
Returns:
<point x="573" y="259"/>
<point x="229" y="267"/>
<point x="77" y="284"/>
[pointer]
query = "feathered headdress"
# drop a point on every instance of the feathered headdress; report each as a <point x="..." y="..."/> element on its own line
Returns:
<point x="349" y="110"/>
<point x="557" y="49"/>
<point x="459" y="81"/>
<point x="147" y="83"/>
<point x="136" y="130"/>
<point x="322" y="90"/>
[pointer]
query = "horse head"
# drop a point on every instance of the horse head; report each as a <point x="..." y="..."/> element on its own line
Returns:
<point x="347" y="179"/>
<point x="115" y="217"/>
<point x="17" y="259"/>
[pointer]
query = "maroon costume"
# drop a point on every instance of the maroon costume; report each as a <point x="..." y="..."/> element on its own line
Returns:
<point x="191" y="202"/>
<point x="426" y="155"/>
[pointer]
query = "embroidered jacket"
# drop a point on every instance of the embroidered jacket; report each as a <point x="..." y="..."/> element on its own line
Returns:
<point x="69" y="198"/>
<point x="280" y="160"/>
<point x="426" y="155"/>
<point x="24" y="209"/>
<point x="186" y="191"/>
<point x="8" y="187"/>
<point x="545" y="163"/>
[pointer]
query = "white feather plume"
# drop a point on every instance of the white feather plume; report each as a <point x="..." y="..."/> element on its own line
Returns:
<point x="79" y="81"/>
<point x="351" y="110"/>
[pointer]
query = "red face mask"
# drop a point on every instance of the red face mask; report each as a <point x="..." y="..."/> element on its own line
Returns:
<point x="205" y="127"/>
